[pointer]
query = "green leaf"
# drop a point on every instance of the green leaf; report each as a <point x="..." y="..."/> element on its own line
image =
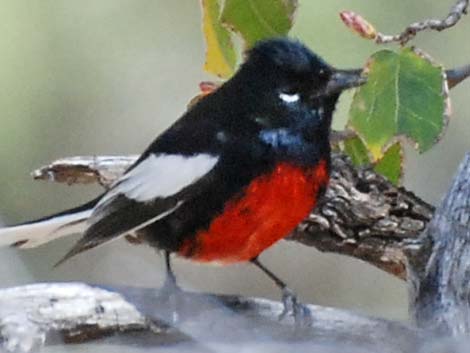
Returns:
<point x="403" y="97"/>
<point x="391" y="164"/>
<point x="259" y="19"/>
<point x="220" y="53"/>
<point x="357" y="151"/>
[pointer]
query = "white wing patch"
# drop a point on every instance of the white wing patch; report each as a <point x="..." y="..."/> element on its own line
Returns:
<point x="161" y="176"/>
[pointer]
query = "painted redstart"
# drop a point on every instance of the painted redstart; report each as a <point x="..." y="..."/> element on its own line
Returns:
<point x="235" y="174"/>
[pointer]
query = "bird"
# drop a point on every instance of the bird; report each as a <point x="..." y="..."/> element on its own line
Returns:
<point x="236" y="173"/>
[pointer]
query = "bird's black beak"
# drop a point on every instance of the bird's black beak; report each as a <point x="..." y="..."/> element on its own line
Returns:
<point x="344" y="79"/>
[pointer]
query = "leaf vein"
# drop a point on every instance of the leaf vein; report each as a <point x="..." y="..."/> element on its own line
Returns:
<point x="266" y="25"/>
<point x="397" y="96"/>
<point x="373" y="104"/>
<point x="421" y="118"/>
<point x="424" y="83"/>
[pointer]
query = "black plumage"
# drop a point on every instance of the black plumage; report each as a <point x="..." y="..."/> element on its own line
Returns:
<point x="272" y="117"/>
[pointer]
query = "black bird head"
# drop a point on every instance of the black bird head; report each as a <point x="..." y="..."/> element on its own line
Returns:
<point x="282" y="99"/>
<point x="285" y="80"/>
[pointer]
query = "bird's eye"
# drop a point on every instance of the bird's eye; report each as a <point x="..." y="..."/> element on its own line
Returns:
<point x="290" y="97"/>
<point x="323" y="74"/>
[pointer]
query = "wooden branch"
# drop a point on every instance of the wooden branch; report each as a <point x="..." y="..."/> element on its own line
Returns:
<point x="363" y="215"/>
<point x="85" y="170"/>
<point x="38" y="314"/>
<point x="439" y="263"/>
<point x="44" y="314"/>
<point x="457" y="75"/>
<point x="439" y="273"/>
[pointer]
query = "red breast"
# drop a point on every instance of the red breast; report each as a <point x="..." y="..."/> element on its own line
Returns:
<point x="269" y="209"/>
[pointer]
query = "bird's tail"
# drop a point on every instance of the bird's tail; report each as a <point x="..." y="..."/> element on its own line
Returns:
<point x="35" y="233"/>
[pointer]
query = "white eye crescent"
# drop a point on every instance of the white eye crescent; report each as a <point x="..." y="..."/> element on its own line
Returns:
<point x="289" y="97"/>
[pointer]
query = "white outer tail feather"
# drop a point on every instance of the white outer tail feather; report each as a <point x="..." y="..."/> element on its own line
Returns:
<point x="157" y="176"/>
<point x="35" y="234"/>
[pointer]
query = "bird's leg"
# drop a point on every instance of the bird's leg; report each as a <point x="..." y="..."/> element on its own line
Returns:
<point x="301" y="313"/>
<point x="170" y="276"/>
<point x="170" y="292"/>
<point x="169" y="286"/>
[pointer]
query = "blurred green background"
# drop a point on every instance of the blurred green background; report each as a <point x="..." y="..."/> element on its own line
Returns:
<point x="105" y="77"/>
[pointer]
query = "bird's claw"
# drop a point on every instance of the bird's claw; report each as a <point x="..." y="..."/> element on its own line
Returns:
<point x="301" y="313"/>
<point x="171" y="295"/>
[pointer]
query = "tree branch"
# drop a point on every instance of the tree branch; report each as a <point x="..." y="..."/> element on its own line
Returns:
<point x="38" y="314"/>
<point x="44" y="314"/>
<point x="439" y="263"/>
<point x="457" y="75"/>
<point x="362" y="215"/>
<point x="365" y="216"/>
<point x="85" y="170"/>
<point x="439" y="272"/>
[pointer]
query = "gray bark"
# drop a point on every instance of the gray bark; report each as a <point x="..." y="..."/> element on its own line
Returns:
<point x="439" y="263"/>
<point x="365" y="216"/>
<point x="64" y="313"/>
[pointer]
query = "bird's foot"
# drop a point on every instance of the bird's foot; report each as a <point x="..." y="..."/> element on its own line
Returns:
<point x="169" y="287"/>
<point x="170" y="297"/>
<point x="292" y="307"/>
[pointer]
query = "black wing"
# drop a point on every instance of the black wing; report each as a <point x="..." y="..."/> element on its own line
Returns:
<point x="151" y="190"/>
<point x="178" y="166"/>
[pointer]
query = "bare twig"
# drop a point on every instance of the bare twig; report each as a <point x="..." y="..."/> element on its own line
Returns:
<point x="457" y="75"/>
<point x="338" y="136"/>
<point x="455" y="14"/>
<point x="85" y="170"/>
